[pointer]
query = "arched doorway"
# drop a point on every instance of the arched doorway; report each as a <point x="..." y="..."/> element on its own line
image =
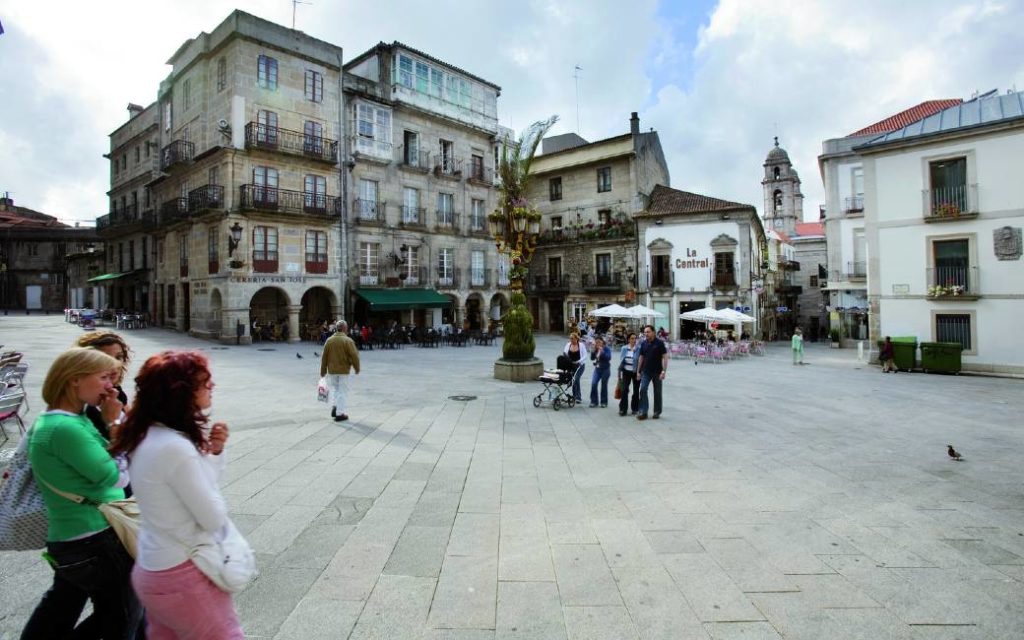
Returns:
<point x="497" y="309"/>
<point x="448" y="314"/>
<point x="216" y="322"/>
<point x="474" y="312"/>
<point x="318" y="305"/>
<point x="269" y="307"/>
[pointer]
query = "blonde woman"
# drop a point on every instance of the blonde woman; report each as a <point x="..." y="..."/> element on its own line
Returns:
<point x="88" y="559"/>
<point x="576" y="353"/>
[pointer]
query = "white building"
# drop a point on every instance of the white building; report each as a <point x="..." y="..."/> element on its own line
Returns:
<point x="944" y="207"/>
<point x="697" y="251"/>
<point x="845" y="282"/>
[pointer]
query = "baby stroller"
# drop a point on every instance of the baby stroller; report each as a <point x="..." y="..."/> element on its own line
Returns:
<point x="557" y="384"/>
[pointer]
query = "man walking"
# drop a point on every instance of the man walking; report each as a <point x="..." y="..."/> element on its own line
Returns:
<point x="339" y="357"/>
<point x="651" y="368"/>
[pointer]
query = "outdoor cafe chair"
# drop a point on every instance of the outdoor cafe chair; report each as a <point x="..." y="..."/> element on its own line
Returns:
<point x="10" y="408"/>
<point x="14" y="380"/>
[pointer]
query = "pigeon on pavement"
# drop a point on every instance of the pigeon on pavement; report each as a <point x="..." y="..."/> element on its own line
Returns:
<point x="316" y="355"/>
<point x="299" y="356"/>
<point x="953" y="453"/>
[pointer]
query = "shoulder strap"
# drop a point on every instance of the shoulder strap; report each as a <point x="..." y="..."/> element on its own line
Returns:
<point x="67" y="496"/>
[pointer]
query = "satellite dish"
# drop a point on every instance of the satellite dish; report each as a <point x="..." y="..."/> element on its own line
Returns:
<point x="223" y="126"/>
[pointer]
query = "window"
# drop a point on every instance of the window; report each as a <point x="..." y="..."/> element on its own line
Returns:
<point x="436" y="82"/>
<point x="405" y="71"/>
<point x="368" y="255"/>
<point x="264" y="249"/>
<point x="411" y="206"/>
<point x="445" y="210"/>
<point x="858" y="181"/>
<point x="411" y="147"/>
<point x="266" y="128"/>
<point x="147" y="145"/>
<point x="212" y="256"/>
<point x="264" y="181"/>
<point x="447" y="156"/>
<point x="604" y="179"/>
<point x="186" y="93"/>
<point x="777" y="200"/>
<point x="145" y="253"/>
<point x="446" y="266"/>
<point x="604" y="217"/>
<point x="725" y="270"/>
<point x="661" y="270"/>
<point x="160" y="251"/>
<point x="124" y="162"/>
<point x="411" y="268"/>
<point x="477" y="220"/>
<point x="316" y="252"/>
<point x="222" y="74"/>
<point x="554" y="271"/>
<point x="213" y="176"/>
<point x="603" y="268"/>
<point x="477" y="166"/>
<point x="954" y="327"/>
<point x="120" y="254"/>
<point x="556" y="223"/>
<point x="503" y="269"/>
<point x="948" y="187"/>
<point x="314" y="196"/>
<point x="476" y="268"/>
<point x="579" y="312"/>
<point x="314" y="86"/>
<point x="167" y="115"/>
<point x="170" y="301"/>
<point x="266" y="72"/>
<point x="138" y="154"/>
<point x="183" y="255"/>
<point x="373" y="130"/>
<point x="117" y="166"/>
<point x="366" y="205"/>
<point x="422" y="76"/>
<point x="135" y="204"/>
<point x="555" y="189"/>
<point x="313" y="138"/>
<point x="952" y="271"/>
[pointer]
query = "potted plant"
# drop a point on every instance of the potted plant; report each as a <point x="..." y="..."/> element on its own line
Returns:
<point x="946" y="210"/>
<point x="236" y="264"/>
<point x="834" y="336"/>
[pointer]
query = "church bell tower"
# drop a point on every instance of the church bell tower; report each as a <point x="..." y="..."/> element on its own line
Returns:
<point x="783" y="201"/>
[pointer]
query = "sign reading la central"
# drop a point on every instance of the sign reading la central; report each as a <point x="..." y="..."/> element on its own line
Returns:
<point x="691" y="261"/>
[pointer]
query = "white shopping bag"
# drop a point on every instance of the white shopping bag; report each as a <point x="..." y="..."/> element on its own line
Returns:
<point x="321" y="390"/>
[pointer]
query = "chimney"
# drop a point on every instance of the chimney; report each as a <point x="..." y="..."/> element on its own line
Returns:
<point x="634" y="124"/>
<point x="821" y="212"/>
<point x="7" y="202"/>
<point x="134" y="110"/>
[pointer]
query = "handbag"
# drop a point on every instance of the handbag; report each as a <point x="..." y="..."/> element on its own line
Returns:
<point x="321" y="389"/>
<point x="229" y="563"/>
<point x="122" y="515"/>
<point x="23" y="519"/>
<point x="618" y="390"/>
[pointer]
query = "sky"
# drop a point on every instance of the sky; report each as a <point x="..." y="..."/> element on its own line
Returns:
<point x="716" y="79"/>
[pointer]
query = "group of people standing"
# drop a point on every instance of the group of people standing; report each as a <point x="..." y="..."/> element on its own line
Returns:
<point x="642" y="364"/>
<point x="162" y="448"/>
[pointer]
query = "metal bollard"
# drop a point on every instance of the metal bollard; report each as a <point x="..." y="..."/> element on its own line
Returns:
<point x="860" y="351"/>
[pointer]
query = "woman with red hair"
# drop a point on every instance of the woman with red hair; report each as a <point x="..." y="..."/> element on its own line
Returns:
<point x="176" y="464"/>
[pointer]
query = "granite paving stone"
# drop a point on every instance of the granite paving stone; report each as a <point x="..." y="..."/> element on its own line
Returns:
<point x="529" y="611"/>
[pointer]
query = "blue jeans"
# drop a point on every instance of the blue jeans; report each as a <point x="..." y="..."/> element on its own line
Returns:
<point x="576" y="393"/>
<point x="600" y="375"/>
<point x="645" y="380"/>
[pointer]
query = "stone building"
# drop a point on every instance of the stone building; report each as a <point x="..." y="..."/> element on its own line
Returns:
<point x="285" y="188"/>
<point x="128" y="227"/>
<point x="845" y="283"/>
<point x="33" y="246"/>
<point x="588" y="194"/>
<point x="697" y="251"/>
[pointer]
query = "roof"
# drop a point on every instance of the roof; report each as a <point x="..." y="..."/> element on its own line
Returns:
<point x="666" y="200"/>
<point x="991" y="108"/>
<point x="907" y="116"/>
<point x="14" y="217"/>
<point x="810" y="229"/>
<point x="426" y="56"/>
<point x="776" y="154"/>
<point x="781" y="235"/>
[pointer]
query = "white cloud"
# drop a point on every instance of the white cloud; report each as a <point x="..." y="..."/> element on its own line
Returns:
<point x="809" y="69"/>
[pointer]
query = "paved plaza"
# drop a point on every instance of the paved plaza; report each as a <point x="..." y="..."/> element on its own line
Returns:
<point x="770" y="501"/>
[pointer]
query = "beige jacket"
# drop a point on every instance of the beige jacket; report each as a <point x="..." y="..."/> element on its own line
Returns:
<point x="340" y="355"/>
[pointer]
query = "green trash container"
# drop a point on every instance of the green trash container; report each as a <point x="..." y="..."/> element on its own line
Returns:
<point x="904" y="352"/>
<point x="941" y="357"/>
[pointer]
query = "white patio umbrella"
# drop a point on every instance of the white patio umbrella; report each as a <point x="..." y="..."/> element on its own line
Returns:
<point x="640" y="311"/>
<point x="707" y="314"/>
<point x="733" y="317"/>
<point x="612" y="311"/>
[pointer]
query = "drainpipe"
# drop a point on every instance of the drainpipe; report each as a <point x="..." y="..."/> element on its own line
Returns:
<point x="343" y="168"/>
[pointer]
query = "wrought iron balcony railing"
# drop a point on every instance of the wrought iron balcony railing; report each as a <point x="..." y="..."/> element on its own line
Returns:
<point x="602" y="281"/>
<point x="413" y="216"/>
<point x="174" y="210"/>
<point x="263" y="198"/>
<point x="372" y="149"/>
<point x="449" y="167"/>
<point x="178" y="151"/>
<point x="726" y="280"/>
<point x="853" y="204"/>
<point x="261" y="136"/>
<point x="208" y="196"/>
<point x="959" y="281"/>
<point x="856" y="270"/>
<point x="481" y="175"/>
<point x="413" y="159"/>
<point x="549" y="284"/>
<point x="446" y="220"/>
<point x="479" y="279"/>
<point x="369" y="212"/>
<point x="946" y="204"/>
<point x="447" y="279"/>
<point x="666" y="280"/>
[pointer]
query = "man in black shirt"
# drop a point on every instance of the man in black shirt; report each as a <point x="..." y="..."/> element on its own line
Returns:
<point x="652" y="366"/>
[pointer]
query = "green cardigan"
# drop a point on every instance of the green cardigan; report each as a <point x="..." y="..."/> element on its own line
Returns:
<point x="67" y="452"/>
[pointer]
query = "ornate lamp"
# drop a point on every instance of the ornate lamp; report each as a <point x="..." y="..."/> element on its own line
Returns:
<point x="235" y="238"/>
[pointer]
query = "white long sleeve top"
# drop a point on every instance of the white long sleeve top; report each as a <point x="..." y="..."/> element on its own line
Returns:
<point x="179" y="497"/>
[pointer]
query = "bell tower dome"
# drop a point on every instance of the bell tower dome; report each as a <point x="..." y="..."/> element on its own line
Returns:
<point x="783" y="201"/>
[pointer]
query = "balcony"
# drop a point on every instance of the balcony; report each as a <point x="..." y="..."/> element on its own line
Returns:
<point x="788" y="265"/>
<point x="448" y="279"/>
<point x="296" y="143"/>
<point x="370" y="150"/>
<point x="174" y="210"/>
<point x="856" y="270"/>
<point x="950" y="204"/>
<point x="411" y="277"/>
<point x="413" y="160"/>
<point x="206" y="197"/>
<point x="483" y="176"/>
<point x="260" y="198"/>
<point x="478" y="226"/>
<point x="853" y="205"/>
<point x="953" y="283"/>
<point x="665" y="280"/>
<point x="723" y="280"/>
<point x="179" y="151"/>
<point x="448" y="168"/>
<point x="125" y="220"/>
<point x="413" y="217"/>
<point x="587" y="233"/>
<point x="549" y="285"/>
<point x="446" y="221"/>
<point x="369" y="213"/>
<point x="608" y="282"/>
<point x="479" y="279"/>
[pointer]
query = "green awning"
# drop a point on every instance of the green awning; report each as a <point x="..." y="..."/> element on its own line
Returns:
<point x="107" y="276"/>
<point x="398" y="299"/>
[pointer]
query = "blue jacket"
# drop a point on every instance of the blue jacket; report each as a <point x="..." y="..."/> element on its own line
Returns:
<point x="604" y="358"/>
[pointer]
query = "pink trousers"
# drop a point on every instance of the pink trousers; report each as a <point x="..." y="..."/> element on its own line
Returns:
<point x="183" y="604"/>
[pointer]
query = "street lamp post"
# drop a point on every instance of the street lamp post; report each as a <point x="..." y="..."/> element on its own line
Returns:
<point x="515" y="233"/>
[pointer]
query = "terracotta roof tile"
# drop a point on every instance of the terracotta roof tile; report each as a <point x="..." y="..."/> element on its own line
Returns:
<point x="810" y="229"/>
<point x="903" y="118"/>
<point x="666" y="200"/>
